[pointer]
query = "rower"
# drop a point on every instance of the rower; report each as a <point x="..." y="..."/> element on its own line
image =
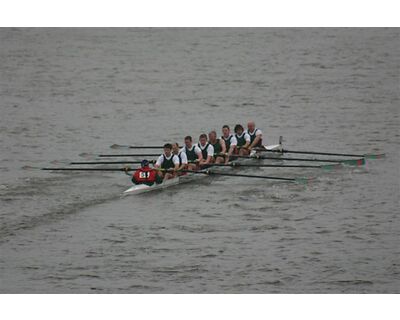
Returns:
<point x="219" y="147"/>
<point x="168" y="162"/>
<point x="207" y="150"/>
<point x="183" y="161"/>
<point x="255" y="135"/>
<point x="243" y="140"/>
<point x="230" y="142"/>
<point x="145" y="174"/>
<point x="193" y="153"/>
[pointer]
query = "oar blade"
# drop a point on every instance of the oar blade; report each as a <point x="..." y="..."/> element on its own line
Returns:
<point x="375" y="156"/>
<point x="330" y="167"/>
<point x="354" y="162"/>
<point x="118" y="146"/>
<point x="302" y="180"/>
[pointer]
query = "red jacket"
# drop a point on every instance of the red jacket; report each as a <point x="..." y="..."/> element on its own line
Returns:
<point x="144" y="175"/>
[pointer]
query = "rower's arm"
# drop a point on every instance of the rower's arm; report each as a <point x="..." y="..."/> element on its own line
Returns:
<point x="232" y="146"/>
<point x="184" y="161"/>
<point x="199" y="156"/>
<point x="158" y="162"/>
<point x="223" y="145"/>
<point x="256" y="140"/>
<point x="248" y="141"/>
<point x="246" y="145"/>
<point x="231" y="149"/>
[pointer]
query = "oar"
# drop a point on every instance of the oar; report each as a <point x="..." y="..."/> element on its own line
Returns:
<point x="130" y="155"/>
<point x="120" y="146"/>
<point x="135" y="155"/>
<point x="100" y="169"/>
<point x="89" y="169"/>
<point x="208" y="172"/>
<point x="109" y="162"/>
<point x="233" y="164"/>
<point x="367" y="156"/>
<point x="352" y="162"/>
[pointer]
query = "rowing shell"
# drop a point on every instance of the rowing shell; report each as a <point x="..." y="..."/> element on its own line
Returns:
<point x="142" y="188"/>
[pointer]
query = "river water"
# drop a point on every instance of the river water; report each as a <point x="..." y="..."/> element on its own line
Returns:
<point x="68" y="94"/>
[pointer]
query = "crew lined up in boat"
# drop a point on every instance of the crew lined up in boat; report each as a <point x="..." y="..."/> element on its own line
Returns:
<point x="243" y="140"/>
<point x="255" y="135"/>
<point x="145" y="174"/>
<point x="230" y="142"/>
<point x="219" y="147"/>
<point x="167" y="161"/>
<point x="207" y="150"/>
<point x="193" y="153"/>
<point x="183" y="161"/>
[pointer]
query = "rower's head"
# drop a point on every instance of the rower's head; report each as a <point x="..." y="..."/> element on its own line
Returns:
<point x="167" y="149"/>
<point x="188" y="142"/>
<point x="144" y="163"/>
<point x="175" y="148"/>
<point x="239" y="129"/>
<point x="226" y="131"/>
<point x="212" y="136"/>
<point x="251" y="126"/>
<point x="203" y="139"/>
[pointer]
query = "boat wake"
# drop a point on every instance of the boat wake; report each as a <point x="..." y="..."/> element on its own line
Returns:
<point x="47" y="200"/>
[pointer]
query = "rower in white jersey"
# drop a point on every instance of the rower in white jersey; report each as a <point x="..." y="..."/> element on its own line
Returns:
<point x="243" y="141"/>
<point x="219" y="147"/>
<point x="183" y="162"/>
<point x="193" y="153"/>
<point x="230" y="142"/>
<point x="168" y="162"/>
<point x="255" y="135"/>
<point x="207" y="150"/>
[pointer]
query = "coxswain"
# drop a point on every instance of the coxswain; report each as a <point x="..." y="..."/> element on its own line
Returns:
<point x="183" y="161"/>
<point x="243" y="140"/>
<point x="193" y="153"/>
<point x="145" y="174"/>
<point x="230" y="142"/>
<point x="207" y="151"/>
<point x="255" y="135"/>
<point x="219" y="147"/>
<point x="168" y="162"/>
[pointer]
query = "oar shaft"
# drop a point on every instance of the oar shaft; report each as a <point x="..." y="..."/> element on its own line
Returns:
<point x="294" y="159"/>
<point x="310" y="160"/>
<point x="265" y="165"/>
<point x="249" y="176"/>
<point x="129" y="155"/>
<point x="114" y="146"/>
<point x="107" y="162"/>
<point x="208" y="172"/>
<point x="314" y="152"/>
<point x="89" y="169"/>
